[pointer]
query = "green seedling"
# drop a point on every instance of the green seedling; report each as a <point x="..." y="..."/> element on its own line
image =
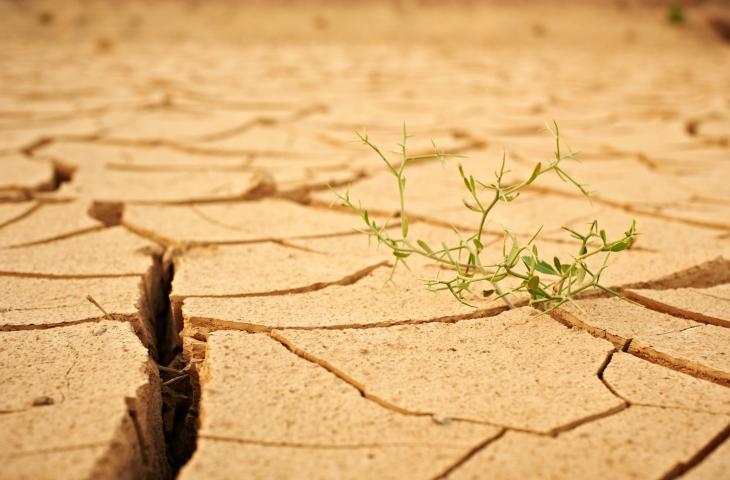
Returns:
<point x="675" y="13"/>
<point x="520" y="268"/>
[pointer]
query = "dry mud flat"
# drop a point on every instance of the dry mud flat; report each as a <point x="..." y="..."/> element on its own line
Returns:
<point x="239" y="328"/>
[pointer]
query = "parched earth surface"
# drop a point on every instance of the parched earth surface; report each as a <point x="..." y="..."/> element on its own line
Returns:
<point x="179" y="298"/>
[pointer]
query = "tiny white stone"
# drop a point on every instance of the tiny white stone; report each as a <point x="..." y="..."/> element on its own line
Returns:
<point x="441" y="420"/>
<point x="98" y="330"/>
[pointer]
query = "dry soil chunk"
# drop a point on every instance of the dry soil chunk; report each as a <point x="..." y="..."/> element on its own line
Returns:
<point x="692" y="347"/>
<point x="175" y="126"/>
<point x="20" y="176"/>
<point x="706" y="305"/>
<point x="22" y="136"/>
<point x="49" y="222"/>
<point x="237" y="222"/>
<point x="164" y="187"/>
<point x="130" y="158"/>
<point x="369" y="301"/>
<point x="292" y="402"/>
<point x="212" y="460"/>
<point x="294" y="177"/>
<point x="268" y="268"/>
<point x="72" y="389"/>
<point x="619" y="320"/>
<point x="639" y="442"/>
<point x="643" y="382"/>
<point x="12" y="212"/>
<point x="700" y="350"/>
<point x="27" y="303"/>
<point x="514" y="369"/>
<point x="40" y="301"/>
<point x="714" y="466"/>
<point x="109" y="252"/>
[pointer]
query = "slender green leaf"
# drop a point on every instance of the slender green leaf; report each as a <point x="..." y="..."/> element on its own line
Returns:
<point x="514" y="251"/>
<point x="424" y="246"/>
<point x="556" y="262"/>
<point x="544" y="267"/>
<point x="620" y="246"/>
<point x="528" y="261"/>
<point x="535" y="173"/>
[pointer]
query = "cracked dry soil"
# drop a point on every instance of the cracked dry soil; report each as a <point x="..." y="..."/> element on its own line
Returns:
<point x="173" y="162"/>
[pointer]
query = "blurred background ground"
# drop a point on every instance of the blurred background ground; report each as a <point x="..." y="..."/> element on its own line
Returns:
<point x="192" y="144"/>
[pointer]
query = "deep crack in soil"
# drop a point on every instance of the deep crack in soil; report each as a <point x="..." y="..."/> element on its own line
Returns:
<point x="179" y="382"/>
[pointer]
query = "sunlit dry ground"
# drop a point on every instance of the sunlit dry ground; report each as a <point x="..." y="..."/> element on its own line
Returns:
<point x="173" y="163"/>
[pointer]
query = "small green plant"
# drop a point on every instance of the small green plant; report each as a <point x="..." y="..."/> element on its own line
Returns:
<point x="675" y="13"/>
<point x="520" y="269"/>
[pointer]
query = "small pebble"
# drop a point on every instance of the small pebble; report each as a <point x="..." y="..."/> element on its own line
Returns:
<point x="441" y="420"/>
<point x="98" y="330"/>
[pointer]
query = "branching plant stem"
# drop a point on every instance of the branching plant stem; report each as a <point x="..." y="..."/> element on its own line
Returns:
<point x="548" y="284"/>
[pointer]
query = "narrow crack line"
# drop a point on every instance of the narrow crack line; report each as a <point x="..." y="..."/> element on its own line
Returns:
<point x="588" y="419"/>
<point x="679" y="408"/>
<point x="212" y="324"/>
<point x="244" y="127"/>
<point x="76" y="233"/>
<point x="710" y="295"/>
<point x="715" y="141"/>
<point x="67" y="381"/>
<point x="17" y="410"/>
<point x="207" y="101"/>
<point x="629" y="208"/>
<point x="39" y="142"/>
<point x="318" y="446"/>
<point x="47" y="326"/>
<point x="602" y="370"/>
<point x="688" y="367"/>
<point x="300" y="193"/>
<point x="30" y="148"/>
<point x="647" y="353"/>
<point x="344" y="281"/>
<point x="294" y="246"/>
<point x="681" y="468"/>
<point x="46" y="451"/>
<point x="188" y="148"/>
<point x="680" y="330"/>
<point x="258" y="191"/>
<point x="678" y="312"/>
<point x="244" y="166"/>
<point x="262" y="121"/>
<point x="565" y="318"/>
<point x="32" y="209"/>
<point x="275" y="335"/>
<point x="35" y="309"/>
<point x="50" y="117"/>
<point x="149" y="235"/>
<point x="470" y="454"/>
<point x="52" y="276"/>
<point x="213" y="221"/>
<point x="285" y="242"/>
